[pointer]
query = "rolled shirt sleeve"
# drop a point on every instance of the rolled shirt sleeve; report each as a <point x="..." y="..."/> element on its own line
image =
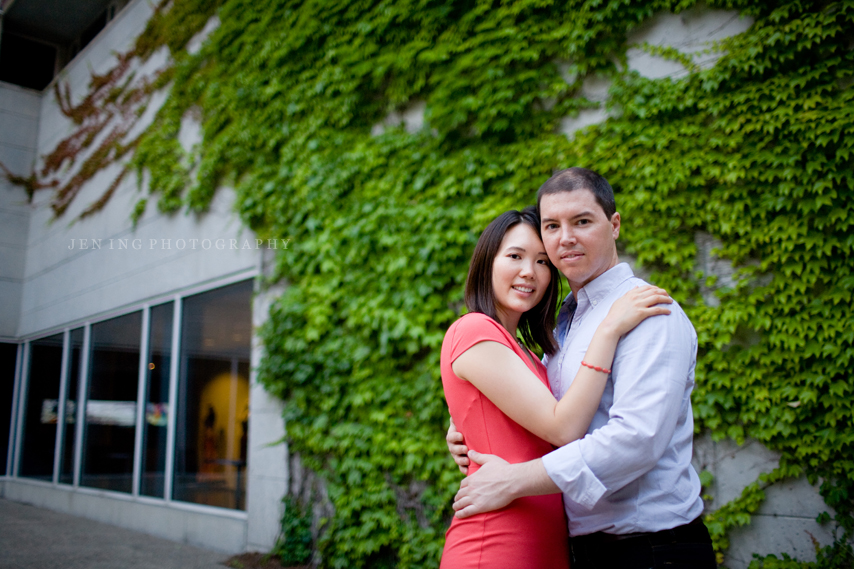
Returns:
<point x="632" y="471"/>
<point x="650" y="374"/>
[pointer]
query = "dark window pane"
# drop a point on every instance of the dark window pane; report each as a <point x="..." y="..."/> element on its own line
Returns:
<point x="157" y="408"/>
<point x="111" y="403"/>
<point x="93" y="30"/>
<point x="40" y="410"/>
<point x="213" y="399"/>
<point x="8" y="354"/>
<point x="66" y="469"/>
<point x="26" y="62"/>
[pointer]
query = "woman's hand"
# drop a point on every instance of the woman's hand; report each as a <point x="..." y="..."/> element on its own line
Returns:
<point x="457" y="447"/>
<point x="634" y="307"/>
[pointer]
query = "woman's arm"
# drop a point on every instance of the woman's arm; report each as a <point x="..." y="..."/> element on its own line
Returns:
<point x="504" y="378"/>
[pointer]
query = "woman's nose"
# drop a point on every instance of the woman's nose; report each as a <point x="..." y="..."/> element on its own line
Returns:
<point x="527" y="269"/>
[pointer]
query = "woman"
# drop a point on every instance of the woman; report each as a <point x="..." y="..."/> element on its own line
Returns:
<point x="498" y="394"/>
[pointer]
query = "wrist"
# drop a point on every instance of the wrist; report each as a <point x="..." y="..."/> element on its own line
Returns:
<point x="530" y="479"/>
<point x="609" y="330"/>
<point x="517" y="481"/>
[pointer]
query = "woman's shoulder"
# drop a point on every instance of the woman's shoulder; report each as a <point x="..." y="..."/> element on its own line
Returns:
<point x="479" y="325"/>
<point x="476" y="321"/>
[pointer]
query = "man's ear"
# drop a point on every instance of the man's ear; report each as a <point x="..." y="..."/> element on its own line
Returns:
<point x="615" y="224"/>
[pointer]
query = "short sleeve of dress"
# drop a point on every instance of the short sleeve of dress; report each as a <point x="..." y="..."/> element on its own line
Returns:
<point x="472" y="329"/>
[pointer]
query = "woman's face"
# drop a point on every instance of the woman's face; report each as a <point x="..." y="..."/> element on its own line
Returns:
<point x="520" y="274"/>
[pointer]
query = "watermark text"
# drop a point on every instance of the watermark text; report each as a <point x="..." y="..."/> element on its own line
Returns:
<point x="179" y="244"/>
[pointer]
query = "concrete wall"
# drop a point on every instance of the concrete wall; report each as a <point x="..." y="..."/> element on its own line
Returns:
<point x="188" y="523"/>
<point x="66" y="280"/>
<point x="19" y="123"/>
<point x="45" y="286"/>
<point x="785" y="522"/>
<point x="59" y="273"/>
<point x="268" y="472"/>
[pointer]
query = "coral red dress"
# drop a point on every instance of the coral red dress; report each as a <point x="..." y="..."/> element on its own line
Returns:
<point x="530" y="533"/>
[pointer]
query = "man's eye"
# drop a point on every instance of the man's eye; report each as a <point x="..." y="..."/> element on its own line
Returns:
<point x="583" y="221"/>
<point x="551" y="225"/>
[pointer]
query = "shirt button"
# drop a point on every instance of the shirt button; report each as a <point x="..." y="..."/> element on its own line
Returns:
<point x="595" y="302"/>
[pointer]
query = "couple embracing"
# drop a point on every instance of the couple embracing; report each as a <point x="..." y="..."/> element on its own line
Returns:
<point x="598" y="436"/>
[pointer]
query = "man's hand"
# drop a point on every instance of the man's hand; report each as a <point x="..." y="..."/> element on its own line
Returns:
<point x="487" y="489"/>
<point x="457" y="448"/>
<point x="497" y="483"/>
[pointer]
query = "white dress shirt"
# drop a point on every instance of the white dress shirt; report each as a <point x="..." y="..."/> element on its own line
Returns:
<point x="632" y="471"/>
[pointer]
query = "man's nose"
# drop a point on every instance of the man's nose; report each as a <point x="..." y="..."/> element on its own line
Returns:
<point x="567" y="237"/>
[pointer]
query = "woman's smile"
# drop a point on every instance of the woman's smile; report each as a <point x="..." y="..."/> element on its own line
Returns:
<point x="520" y="274"/>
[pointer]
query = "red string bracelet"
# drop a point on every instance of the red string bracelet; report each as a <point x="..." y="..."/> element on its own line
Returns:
<point x="597" y="368"/>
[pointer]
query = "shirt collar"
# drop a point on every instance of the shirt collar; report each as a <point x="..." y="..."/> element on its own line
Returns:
<point x="594" y="291"/>
<point x="597" y="289"/>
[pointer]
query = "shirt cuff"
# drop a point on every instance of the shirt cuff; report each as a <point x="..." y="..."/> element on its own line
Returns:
<point x="568" y="470"/>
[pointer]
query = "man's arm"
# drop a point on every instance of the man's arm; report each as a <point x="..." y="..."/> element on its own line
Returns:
<point x="497" y="483"/>
<point x="653" y="361"/>
<point x="653" y="367"/>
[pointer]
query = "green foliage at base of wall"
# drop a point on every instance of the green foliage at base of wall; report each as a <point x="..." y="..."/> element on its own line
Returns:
<point x="295" y="545"/>
<point x="304" y="110"/>
<point x="838" y="555"/>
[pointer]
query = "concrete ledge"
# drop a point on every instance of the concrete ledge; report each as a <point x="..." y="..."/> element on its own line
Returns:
<point x="796" y="536"/>
<point x="202" y="526"/>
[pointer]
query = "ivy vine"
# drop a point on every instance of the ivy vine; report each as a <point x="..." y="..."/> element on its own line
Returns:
<point x="294" y="99"/>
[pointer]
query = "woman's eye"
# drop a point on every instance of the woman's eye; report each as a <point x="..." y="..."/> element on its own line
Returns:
<point x="514" y="256"/>
<point x="543" y="262"/>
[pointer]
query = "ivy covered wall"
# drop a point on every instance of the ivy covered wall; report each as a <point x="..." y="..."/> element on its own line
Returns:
<point x="753" y="151"/>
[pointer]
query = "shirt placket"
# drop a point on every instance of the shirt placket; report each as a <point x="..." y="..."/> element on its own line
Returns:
<point x="574" y="324"/>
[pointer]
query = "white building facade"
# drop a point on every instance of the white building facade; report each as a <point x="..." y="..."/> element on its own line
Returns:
<point x="127" y="352"/>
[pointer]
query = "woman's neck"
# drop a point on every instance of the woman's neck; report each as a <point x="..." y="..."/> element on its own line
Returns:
<point x="509" y="321"/>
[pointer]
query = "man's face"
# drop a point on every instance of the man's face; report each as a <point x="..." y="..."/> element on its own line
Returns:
<point x="579" y="239"/>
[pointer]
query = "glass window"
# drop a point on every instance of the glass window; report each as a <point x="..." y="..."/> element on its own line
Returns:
<point x="8" y="355"/>
<point x="111" y="403"/>
<point x="213" y="400"/>
<point x="38" y="439"/>
<point x="75" y="361"/>
<point x="157" y="407"/>
<point x="35" y="70"/>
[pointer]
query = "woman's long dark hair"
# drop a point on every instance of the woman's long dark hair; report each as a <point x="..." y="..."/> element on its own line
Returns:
<point x="537" y="325"/>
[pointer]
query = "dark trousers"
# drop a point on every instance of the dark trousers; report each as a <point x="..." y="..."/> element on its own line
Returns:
<point x="682" y="547"/>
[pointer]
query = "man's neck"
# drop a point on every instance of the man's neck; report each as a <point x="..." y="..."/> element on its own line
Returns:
<point x="576" y="288"/>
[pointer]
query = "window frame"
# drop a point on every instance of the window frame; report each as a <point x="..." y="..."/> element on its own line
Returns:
<point x="13" y="417"/>
<point x="22" y="380"/>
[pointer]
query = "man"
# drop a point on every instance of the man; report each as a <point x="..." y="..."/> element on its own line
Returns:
<point x="630" y="492"/>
